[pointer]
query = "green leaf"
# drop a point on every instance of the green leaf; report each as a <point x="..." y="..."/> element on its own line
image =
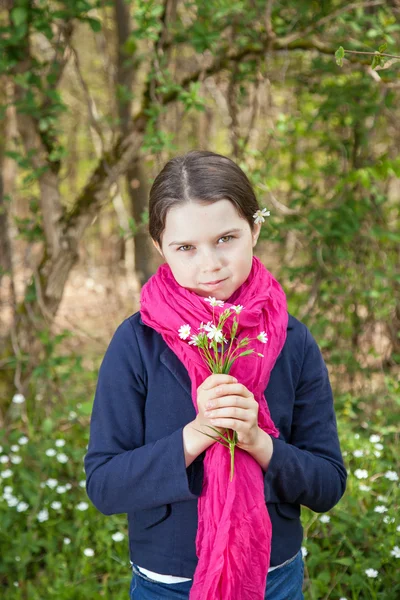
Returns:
<point x="382" y="48"/>
<point x="339" y="55"/>
<point x="95" y="24"/>
<point x="19" y="16"/>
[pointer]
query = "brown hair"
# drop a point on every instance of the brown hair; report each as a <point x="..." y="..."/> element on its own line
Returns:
<point x="199" y="176"/>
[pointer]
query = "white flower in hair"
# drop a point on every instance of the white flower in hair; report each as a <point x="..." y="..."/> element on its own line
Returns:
<point x="184" y="331"/>
<point x="213" y="301"/>
<point x="259" y="215"/>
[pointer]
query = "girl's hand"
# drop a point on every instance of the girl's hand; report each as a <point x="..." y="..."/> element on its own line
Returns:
<point x="208" y="392"/>
<point x="233" y="406"/>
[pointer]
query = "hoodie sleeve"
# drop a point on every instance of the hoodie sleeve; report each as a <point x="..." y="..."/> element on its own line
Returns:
<point x="308" y="468"/>
<point x="122" y="473"/>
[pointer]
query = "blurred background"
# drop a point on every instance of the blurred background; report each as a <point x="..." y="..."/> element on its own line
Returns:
<point x="95" y="97"/>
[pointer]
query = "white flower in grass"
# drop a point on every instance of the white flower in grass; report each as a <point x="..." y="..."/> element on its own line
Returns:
<point x="88" y="552"/>
<point x="342" y="598"/>
<point x="60" y="443"/>
<point x="82" y="483"/>
<point x="15" y="459"/>
<point x="213" y="301"/>
<point x="379" y="446"/>
<point x="51" y="452"/>
<point x="4" y="459"/>
<point x="196" y="340"/>
<point x="56" y="505"/>
<point x="380" y="509"/>
<point x="72" y="414"/>
<point x="259" y="215"/>
<point x="14" y="448"/>
<point x="371" y="573"/>
<point x="82" y="506"/>
<point x="262" y="337"/>
<point x="68" y="486"/>
<point x="388" y="520"/>
<point x="238" y="308"/>
<point x="356" y="436"/>
<point x="398" y="528"/>
<point x="374" y="439"/>
<point x="358" y="453"/>
<point x="364" y="488"/>
<point x="391" y="475"/>
<point x="325" y="519"/>
<point x="18" y="399"/>
<point x="6" y="473"/>
<point x="22" y="440"/>
<point x="12" y="501"/>
<point x="304" y="551"/>
<point x="382" y="498"/>
<point x="22" y="506"/>
<point x="395" y="552"/>
<point x="8" y="489"/>
<point x="62" y="458"/>
<point x="51" y="483"/>
<point x="61" y="489"/>
<point x="43" y="515"/>
<point x="184" y="331"/>
<point x="117" y="537"/>
<point x="377" y="454"/>
<point x="67" y="541"/>
<point x="361" y="473"/>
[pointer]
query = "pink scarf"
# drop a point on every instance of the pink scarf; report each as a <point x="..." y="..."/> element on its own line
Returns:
<point x="233" y="542"/>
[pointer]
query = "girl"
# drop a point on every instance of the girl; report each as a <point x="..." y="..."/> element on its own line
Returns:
<point x="193" y="533"/>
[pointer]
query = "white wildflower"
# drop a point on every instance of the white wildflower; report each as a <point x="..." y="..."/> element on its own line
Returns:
<point x="51" y="452"/>
<point x="22" y="440"/>
<point x="61" y="489"/>
<point x="62" y="458"/>
<point x="43" y="515"/>
<point x="4" y="459"/>
<point x="82" y="483"/>
<point x="371" y="573"/>
<point x="374" y="439"/>
<point x="262" y="337"/>
<point x="259" y="215"/>
<point x="12" y="501"/>
<point x="51" y="483"/>
<point x="380" y="509"/>
<point x="382" y="498"/>
<point x="325" y="519"/>
<point x="391" y="475"/>
<point x="14" y="448"/>
<point x="213" y="301"/>
<point x="18" y="399"/>
<point x="395" y="552"/>
<point x="22" y="506"/>
<point x="195" y="339"/>
<point x="238" y="308"/>
<point x="361" y="473"/>
<point x="82" y="506"/>
<point x="304" y="551"/>
<point x="364" y="488"/>
<point x="118" y="537"/>
<point x="377" y="454"/>
<point x="67" y="541"/>
<point x="6" y="473"/>
<point x="214" y="333"/>
<point x="388" y="520"/>
<point x="68" y="486"/>
<point x="88" y="552"/>
<point x="356" y="436"/>
<point x="15" y="459"/>
<point x="379" y="446"/>
<point x="8" y="489"/>
<point x="60" y="443"/>
<point x="358" y="453"/>
<point x="184" y="332"/>
<point x="56" y="505"/>
<point x="72" y="415"/>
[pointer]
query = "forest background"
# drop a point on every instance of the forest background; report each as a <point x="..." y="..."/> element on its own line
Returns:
<point x="95" y="97"/>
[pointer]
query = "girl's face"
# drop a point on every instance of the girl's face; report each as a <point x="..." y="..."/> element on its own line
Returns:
<point x="206" y="243"/>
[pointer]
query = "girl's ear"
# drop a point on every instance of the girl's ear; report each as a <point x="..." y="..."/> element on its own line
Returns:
<point x="255" y="233"/>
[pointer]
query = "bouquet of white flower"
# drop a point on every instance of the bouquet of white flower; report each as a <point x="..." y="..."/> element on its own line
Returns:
<point x="219" y="349"/>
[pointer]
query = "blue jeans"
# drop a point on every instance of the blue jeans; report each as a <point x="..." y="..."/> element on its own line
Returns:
<point x="284" y="583"/>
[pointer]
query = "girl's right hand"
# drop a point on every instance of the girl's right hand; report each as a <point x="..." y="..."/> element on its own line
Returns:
<point x="206" y="392"/>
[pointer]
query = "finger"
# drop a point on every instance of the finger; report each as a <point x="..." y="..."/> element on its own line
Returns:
<point x="216" y="379"/>
<point x="232" y="388"/>
<point x="221" y="401"/>
<point x="231" y="412"/>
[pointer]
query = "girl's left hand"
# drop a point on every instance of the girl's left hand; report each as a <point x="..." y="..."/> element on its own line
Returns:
<point x="234" y="407"/>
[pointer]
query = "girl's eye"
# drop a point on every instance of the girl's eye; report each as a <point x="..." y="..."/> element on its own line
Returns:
<point x="225" y="237"/>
